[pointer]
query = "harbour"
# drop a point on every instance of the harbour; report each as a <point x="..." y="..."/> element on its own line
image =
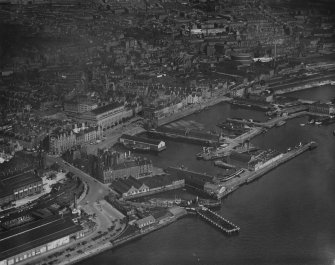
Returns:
<point x="228" y="202"/>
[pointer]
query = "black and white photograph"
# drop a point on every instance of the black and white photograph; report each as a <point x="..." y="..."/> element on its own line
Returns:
<point x="162" y="132"/>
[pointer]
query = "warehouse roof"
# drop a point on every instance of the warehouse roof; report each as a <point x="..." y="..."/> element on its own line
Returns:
<point x="7" y="185"/>
<point x="35" y="234"/>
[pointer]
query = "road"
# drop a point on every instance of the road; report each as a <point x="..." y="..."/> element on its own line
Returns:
<point x="96" y="192"/>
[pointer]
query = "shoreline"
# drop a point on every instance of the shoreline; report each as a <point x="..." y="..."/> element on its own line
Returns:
<point x="314" y="84"/>
<point x="109" y="245"/>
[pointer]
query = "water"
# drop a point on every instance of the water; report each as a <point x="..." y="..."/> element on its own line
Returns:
<point x="286" y="217"/>
<point x="322" y="93"/>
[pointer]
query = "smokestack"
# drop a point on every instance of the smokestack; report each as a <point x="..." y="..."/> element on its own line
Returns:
<point x="75" y="201"/>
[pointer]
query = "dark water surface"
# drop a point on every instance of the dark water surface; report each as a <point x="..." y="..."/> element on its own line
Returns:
<point x="286" y="217"/>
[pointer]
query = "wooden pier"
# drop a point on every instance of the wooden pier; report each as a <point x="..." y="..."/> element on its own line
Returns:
<point x="218" y="221"/>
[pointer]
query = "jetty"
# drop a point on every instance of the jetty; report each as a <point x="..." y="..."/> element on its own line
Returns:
<point x="248" y="176"/>
<point x="286" y="157"/>
<point x="230" y="145"/>
<point x="218" y="221"/>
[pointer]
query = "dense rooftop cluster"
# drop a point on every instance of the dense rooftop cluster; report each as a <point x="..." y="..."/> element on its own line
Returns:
<point x="140" y="53"/>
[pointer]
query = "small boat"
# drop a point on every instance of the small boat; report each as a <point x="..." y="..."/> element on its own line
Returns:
<point x="280" y="123"/>
<point x="318" y="123"/>
<point x="302" y="124"/>
<point x="311" y="121"/>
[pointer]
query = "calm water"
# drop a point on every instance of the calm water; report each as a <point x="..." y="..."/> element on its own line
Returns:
<point x="286" y="217"/>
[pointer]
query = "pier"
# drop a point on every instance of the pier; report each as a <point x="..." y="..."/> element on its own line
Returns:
<point x="249" y="176"/>
<point x="270" y="123"/>
<point x="286" y="157"/>
<point x="218" y="221"/>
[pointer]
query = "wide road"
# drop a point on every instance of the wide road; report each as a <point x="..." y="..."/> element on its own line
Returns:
<point x="96" y="192"/>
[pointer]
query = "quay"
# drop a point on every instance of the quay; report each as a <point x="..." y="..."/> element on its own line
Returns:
<point x="249" y="176"/>
<point x="218" y="221"/>
<point x="286" y="157"/>
<point x="229" y="145"/>
<point x="188" y="111"/>
<point x="187" y="135"/>
<point x="277" y="121"/>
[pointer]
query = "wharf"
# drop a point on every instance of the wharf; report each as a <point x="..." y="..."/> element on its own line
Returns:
<point x="269" y="124"/>
<point x="218" y="221"/>
<point x="303" y="83"/>
<point x="188" y="111"/>
<point x="188" y="135"/>
<point x="277" y="121"/>
<point x="230" y="145"/>
<point x="249" y="176"/>
<point x="286" y="157"/>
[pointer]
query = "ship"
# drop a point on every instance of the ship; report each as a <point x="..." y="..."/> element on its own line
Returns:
<point x="209" y="203"/>
<point x="137" y="147"/>
<point x="222" y="164"/>
<point x="280" y="123"/>
<point x="211" y="153"/>
<point x="136" y="143"/>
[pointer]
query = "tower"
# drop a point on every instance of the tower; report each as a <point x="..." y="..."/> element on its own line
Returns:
<point x="75" y="201"/>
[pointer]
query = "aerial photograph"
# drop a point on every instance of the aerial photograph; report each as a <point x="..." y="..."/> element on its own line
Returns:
<point x="162" y="132"/>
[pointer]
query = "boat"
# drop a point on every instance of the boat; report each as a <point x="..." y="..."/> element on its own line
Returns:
<point x="280" y="123"/>
<point x="318" y="122"/>
<point x="138" y="147"/>
<point x="311" y="121"/>
<point x="209" y="203"/>
<point x="222" y="164"/>
<point x="302" y="124"/>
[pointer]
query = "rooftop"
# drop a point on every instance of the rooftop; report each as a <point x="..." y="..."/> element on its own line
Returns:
<point x="106" y="108"/>
<point x="8" y="184"/>
<point x="35" y="234"/>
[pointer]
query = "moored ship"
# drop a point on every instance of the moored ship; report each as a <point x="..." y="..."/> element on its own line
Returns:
<point x="141" y="144"/>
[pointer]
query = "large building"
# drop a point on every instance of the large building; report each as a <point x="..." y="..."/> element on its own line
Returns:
<point x="63" y="140"/>
<point x="33" y="239"/>
<point x="75" y="107"/>
<point x="19" y="186"/>
<point x="110" y="165"/>
<point x="107" y="116"/>
<point x="130" y="186"/>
